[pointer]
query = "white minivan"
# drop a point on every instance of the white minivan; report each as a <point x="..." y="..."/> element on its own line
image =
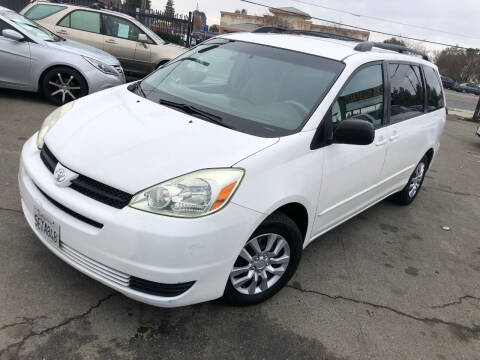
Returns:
<point x="210" y="176"/>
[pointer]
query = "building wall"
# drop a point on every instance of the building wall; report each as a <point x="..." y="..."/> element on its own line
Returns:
<point x="285" y="20"/>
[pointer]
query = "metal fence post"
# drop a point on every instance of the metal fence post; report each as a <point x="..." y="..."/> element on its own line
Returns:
<point x="189" y="29"/>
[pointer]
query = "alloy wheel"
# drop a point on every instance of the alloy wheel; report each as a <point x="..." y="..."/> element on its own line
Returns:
<point x="65" y="87"/>
<point x="416" y="179"/>
<point x="261" y="263"/>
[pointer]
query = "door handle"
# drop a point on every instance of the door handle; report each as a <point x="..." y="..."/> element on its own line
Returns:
<point x="381" y="141"/>
<point x="61" y="31"/>
<point x="393" y="137"/>
<point x="110" y="41"/>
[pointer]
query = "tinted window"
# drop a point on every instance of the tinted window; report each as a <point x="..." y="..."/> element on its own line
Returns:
<point x="362" y="98"/>
<point x="434" y="90"/>
<point x="256" y="89"/>
<point x="121" y="28"/>
<point x="83" y="20"/>
<point x="406" y="92"/>
<point x="41" y="11"/>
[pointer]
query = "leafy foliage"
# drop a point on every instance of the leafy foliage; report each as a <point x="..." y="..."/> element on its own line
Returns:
<point x="460" y="64"/>
<point x="132" y="5"/>
<point x="169" y="9"/>
<point x="214" y="28"/>
<point x="395" y="41"/>
<point x="171" y="38"/>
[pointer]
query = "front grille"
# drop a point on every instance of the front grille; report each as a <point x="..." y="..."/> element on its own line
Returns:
<point x="71" y="212"/>
<point x="123" y="279"/>
<point x="99" y="269"/>
<point x="157" y="289"/>
<point x="89" y="187"/>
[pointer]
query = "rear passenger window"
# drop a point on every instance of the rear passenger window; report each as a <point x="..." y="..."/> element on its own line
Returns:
<point x="362" y="98"/>
<point x="41" y="11"/>
<point x="82" y="20"/>
<point x="406" y="92"/>
<point x="434" y="90"/>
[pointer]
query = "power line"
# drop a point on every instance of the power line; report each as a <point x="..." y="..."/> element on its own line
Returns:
<point x="383" y="19"/>
<point x="361" y="28"/>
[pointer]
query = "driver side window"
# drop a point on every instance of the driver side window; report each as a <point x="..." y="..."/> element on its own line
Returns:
<point x="362" y="98"/>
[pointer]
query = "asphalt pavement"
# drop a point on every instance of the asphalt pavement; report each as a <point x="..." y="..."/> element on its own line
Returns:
<point x="461" y="101"/>
<point x="392" y="283"/>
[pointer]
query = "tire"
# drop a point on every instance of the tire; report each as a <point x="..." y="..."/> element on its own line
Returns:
<point x="410" y="191"/>
<point x="274" y="230"/>
<point x="63" y="84"/>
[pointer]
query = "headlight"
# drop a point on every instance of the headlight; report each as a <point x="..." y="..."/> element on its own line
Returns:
<point x="107" y="69"/>
<point x="192" y="195"/>
<point x="51" y="120"/>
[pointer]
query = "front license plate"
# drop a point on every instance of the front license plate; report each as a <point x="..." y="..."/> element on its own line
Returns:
<point x="48" y="227"/>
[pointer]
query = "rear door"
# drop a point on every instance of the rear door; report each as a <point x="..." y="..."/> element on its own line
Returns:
<point x="83" y="26"/>
<point x="15" y="61"/>
<point x="409" y="123"/>
<point x="121" y="40"/>
<point x="352" y="172"/>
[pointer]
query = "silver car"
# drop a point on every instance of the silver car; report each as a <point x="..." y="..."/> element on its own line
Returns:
<point x="34" y="59"/>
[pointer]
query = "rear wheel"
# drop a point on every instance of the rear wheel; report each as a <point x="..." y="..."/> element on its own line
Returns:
<point x="63" y="84"/>
<point x="410" y="191"/>
<point x="266" y="263"/>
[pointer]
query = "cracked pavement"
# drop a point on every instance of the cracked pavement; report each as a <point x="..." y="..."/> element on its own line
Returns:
<point x="389" y="284"/>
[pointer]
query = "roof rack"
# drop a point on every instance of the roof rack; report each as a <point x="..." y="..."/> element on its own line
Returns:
<point x="322" y="34"/>
<point x="368" y="45"/>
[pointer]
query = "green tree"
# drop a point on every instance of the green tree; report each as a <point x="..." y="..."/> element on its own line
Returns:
<point x="132" y="5"/>
<point x="201" y="15"/>
<point x="395" y="41"/>
<point x="169" y="9"/>
<point x="214" y="28"/>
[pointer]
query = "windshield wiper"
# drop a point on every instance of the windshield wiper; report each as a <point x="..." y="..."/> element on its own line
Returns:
<point x="137" y="88"/>
<point x="192" y="110"/>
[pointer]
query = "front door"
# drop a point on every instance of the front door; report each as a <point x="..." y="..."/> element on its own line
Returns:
<point x="15" y="61"/>
<point x="121" y="39"/>
<point x="351" y="173"/>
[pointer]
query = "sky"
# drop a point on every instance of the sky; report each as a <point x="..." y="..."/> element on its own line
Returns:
<point x="452" y="21"/>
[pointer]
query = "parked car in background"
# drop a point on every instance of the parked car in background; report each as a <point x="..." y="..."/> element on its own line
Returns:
<point x="139" y="49"/>
<point x="210" y="176"/>
<point x="470" y="88"/>
<point x="448" y="83"/>
<point x="34" y="59"/>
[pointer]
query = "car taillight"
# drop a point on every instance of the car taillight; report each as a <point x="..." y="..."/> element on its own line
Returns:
<point x="446" y="110"/>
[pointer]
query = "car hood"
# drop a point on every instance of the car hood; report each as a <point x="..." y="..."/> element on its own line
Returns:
<point x="84" y="50"/>
<point x="125" y="141"/>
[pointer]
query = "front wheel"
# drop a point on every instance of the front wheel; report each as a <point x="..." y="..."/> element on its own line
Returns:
<point x="63" y="84"/>
<point x="266" y="262"/>
<point x="410" y="191"/>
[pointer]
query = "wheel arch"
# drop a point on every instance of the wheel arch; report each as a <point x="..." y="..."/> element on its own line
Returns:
<point x="44" y="72"/>
<point x="429" y="155"/>
<point x="299" y="215"/>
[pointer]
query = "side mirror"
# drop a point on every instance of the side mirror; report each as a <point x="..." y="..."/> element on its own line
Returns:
<point x="12" y="34"/>
<point x="354" y="132"/>
<point x="142" y="38"/>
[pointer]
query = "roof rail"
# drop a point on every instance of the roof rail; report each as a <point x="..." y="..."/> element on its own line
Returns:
<point x="322" y="34"/>
<point x="368" y="45"/>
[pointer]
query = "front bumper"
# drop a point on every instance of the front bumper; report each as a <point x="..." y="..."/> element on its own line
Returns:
<point x="98" y="80"/>
<point x="137" y="244"/>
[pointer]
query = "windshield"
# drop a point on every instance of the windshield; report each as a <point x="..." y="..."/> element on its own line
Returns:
<point x="32" y="28"/>
<point x="256" y="89"/>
